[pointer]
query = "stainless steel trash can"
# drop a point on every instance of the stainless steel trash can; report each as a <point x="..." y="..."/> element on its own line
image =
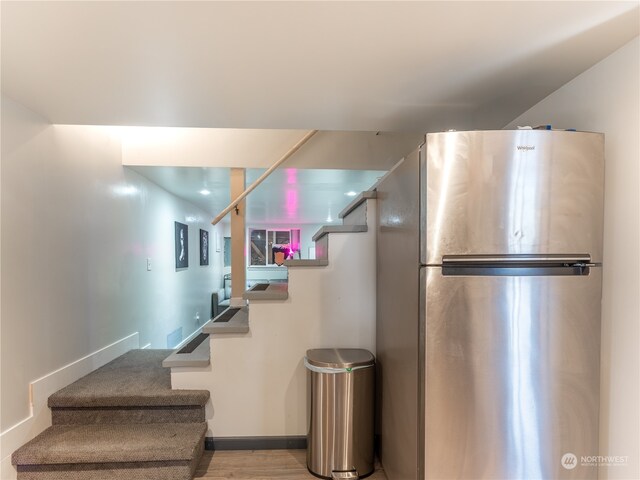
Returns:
<point x="341" y="386"/>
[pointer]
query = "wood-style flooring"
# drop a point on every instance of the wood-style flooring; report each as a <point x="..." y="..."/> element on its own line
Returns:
<point x="260" y="465"/>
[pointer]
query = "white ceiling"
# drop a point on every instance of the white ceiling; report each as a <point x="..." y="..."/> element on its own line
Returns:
<point x="287" y="196"/>
<point x="359" y="66"/>
<point x="368" y="66"/>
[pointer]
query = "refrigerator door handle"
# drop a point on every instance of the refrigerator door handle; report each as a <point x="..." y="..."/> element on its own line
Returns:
<point x="581" y="259"/>
<point x="514" y="271"/>
<point x="517" y="265"/>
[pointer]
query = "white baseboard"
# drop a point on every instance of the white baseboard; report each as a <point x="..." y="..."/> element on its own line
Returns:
<point x="40" y="390"/>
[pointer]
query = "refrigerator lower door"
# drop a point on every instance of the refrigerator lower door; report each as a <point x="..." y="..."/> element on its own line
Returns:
<point x="511" y="375"/>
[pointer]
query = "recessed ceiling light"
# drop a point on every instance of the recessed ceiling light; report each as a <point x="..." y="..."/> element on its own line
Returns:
<point x="351" y="194"/>
<point x="329" y="219"/>
<point x="124" y="190"/>
<point x="204" y="191"/>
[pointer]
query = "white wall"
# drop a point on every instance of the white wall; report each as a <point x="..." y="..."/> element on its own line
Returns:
<point x="77" y="229"/>
<point x="605" y="99"/>
<point x="257" y="381"/>
<point x="259" y="148"/>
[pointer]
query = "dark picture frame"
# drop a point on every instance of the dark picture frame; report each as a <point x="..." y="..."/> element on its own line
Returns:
<point x="227" y="251"/>
<point x="182" y="245"/>
<point x="204" y="247"/>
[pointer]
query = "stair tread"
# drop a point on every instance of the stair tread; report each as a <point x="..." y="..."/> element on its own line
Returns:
<point x="305" y="262"/>
<point x="338" y="229"/>
<point x="357" y="201"/>
<point x="198" y="357"/>
<point x="135" y="379"/>
<point x="237" y="323"/>
<point x="107" y="443"/>
<point x="274" y="291"/>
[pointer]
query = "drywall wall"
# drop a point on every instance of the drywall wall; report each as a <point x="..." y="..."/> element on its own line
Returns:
<point x="605" y="99"/>
<point x="260" y="148"/>
<point x="333" y="306"/>
<point x="77" y="230"/>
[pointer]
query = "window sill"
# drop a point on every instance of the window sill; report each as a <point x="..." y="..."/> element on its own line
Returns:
<point x="265" y="267"/>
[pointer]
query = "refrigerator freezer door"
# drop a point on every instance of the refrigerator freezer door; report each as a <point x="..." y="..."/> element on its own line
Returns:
<point x="512" y="192"/>
<point x="512" y="375"/>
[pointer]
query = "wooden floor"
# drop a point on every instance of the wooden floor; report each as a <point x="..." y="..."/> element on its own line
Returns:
<point x="260" y="465"/>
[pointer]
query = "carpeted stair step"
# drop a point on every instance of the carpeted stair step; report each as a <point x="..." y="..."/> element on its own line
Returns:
<point x="133" y="388"/>
<point x="168" y="451"/>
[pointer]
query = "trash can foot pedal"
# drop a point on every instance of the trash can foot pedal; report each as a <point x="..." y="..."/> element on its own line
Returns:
<point x="345" y="475"/>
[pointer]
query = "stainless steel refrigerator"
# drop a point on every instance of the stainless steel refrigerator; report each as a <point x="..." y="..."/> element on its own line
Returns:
<point x="488" y="324"/>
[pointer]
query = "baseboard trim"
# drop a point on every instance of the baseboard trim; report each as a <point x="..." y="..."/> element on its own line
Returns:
<point x="294" y="442"/>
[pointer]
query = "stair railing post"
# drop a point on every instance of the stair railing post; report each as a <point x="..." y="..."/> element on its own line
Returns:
<point x="238" y="240"/>
<point x="262" y="177"/>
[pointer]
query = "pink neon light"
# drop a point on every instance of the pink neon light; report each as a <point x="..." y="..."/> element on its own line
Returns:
<point x="292" y="202"/>
<point x="292" y="176"/>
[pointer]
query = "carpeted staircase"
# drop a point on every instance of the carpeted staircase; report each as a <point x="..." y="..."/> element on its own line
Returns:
<point x="122" y="421"/>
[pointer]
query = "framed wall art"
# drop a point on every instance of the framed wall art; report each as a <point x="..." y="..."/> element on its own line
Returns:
<point x="182" y="245"/>
<point x="204" y="247"/>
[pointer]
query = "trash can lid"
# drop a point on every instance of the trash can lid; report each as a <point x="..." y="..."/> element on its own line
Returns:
<point x="340" y="357"/>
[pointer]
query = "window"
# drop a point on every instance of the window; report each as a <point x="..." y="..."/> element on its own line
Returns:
<point x="265" y="244"/>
